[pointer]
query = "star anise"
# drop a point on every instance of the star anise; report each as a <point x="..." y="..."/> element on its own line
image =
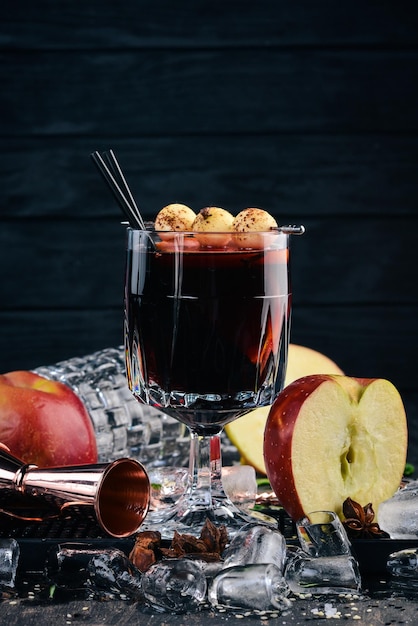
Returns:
<point x="208" y="547"/>
<point x="359" y="521"/>
<point x="215" y="537"/>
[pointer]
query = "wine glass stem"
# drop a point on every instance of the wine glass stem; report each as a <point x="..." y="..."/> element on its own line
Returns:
<point x="205" y="469"/>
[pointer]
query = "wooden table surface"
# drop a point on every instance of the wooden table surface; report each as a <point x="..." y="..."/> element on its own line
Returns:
<point x="370" y="611"/>
<point x="382" y="601"/>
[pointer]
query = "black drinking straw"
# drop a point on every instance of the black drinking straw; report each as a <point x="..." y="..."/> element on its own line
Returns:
<point x="116" y="181"/>
<point x="117" y="170"/>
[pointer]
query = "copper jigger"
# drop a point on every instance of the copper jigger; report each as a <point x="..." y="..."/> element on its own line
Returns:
<point x="119" y="491"/>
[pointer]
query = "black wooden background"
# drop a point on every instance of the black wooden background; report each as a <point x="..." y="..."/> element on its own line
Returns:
<point x="307" y="109"/>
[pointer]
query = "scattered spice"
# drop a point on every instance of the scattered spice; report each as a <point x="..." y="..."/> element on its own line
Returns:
<point x="144" y="553"/>
<point x="185" y="544"/>
<point x="208" y="547"/>
<point x="214" y="537"/>
<point x="359" y="521"/>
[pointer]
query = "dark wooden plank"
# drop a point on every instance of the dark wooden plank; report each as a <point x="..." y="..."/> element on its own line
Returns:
<point x="208" y="23"/>
<point x="353" y="261"/>
<point x="365" y="341"/>
<point x="290" y="175"/>
<point x="29" y="339"/>
<point x="55" y="265"/>
<point x="410" y="401"/>
<point x="66" y="264"/>
<point x="160" y="92"/>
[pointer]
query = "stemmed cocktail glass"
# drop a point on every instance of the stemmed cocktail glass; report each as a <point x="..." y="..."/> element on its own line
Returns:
<point x="207" y="320"/>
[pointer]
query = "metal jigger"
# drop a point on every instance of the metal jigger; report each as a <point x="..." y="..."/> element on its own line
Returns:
<point x="119" y="491"/>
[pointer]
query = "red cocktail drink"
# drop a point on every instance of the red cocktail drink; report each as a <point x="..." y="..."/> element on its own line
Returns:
<point x="209" y="326"/>
<point x="206" y="335"/>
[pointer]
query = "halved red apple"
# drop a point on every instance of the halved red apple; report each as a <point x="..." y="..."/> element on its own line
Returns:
<point x="328" y="438"/>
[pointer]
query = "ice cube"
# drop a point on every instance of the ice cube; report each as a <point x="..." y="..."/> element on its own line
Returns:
<point x="9" y="560"/>
<point x="111" y="570"/>
<point x="398" y="516"/>
<point x="168" y="484"/>
<point x="240" y="484"/>
<point x="100" y="573"/>
<point x="322" y="574"/>
<point x="260" y="587"/>
<point x="404" y="563"/>
<point x="209" y="568"/>
<point x="321" y="533"/>
<point x="256" y="543"/>
<point x="175" y="585"/>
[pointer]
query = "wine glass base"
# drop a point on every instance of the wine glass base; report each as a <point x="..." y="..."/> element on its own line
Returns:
<point x="187" y="519"/>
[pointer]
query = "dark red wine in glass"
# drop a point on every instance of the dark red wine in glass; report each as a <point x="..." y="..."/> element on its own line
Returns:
<point x="206" y="339"/>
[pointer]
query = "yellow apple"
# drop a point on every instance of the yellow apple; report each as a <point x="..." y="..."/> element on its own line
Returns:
<point x="303" y="361"/>
<point x="329" y="438"/>
<point x="247" y="432"/>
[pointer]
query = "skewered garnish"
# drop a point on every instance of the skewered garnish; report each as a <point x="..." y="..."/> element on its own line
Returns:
<point x="175" y="217"/>
<point x="253" y="220"/>
<point x="215" y="227"/>
<point x="213" y="220"/>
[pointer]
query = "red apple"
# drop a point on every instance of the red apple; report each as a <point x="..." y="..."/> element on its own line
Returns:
<point x="330" y="437"/>
<point x="44" y="422"/>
